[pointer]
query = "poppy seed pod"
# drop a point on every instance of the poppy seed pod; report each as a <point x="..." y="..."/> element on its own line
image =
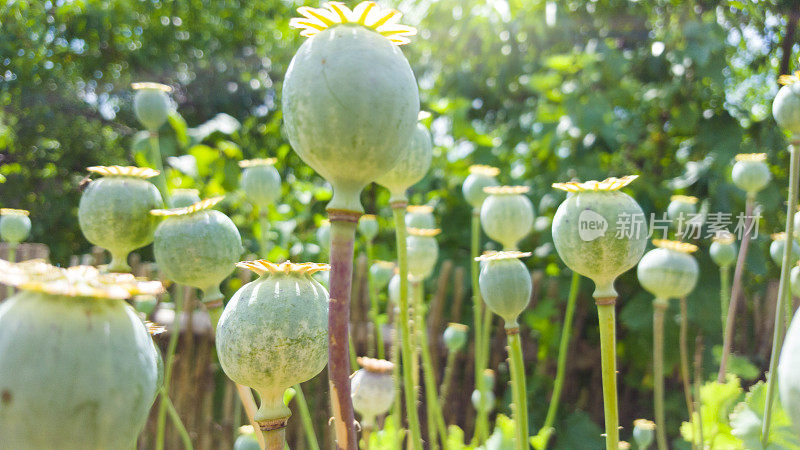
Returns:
<point x="76" y="356"/>
<point x="669" y="271"/>
<point x="479" y="177"/>
<point x="786" y="106"/>
<point x="455" y="336"/>
<point x="487" y="403"/>
<point x="197" y="246"/>
<point x="423" y="252"/>
<point x="643" y="432"/>
<point x="777" y="247"/>
<point x="151" y="104"/>
<point x="789" y="373"/>
<point x="372" y="389"/>
<point x="505" y="285"/>
<point x="507" y="215"/>
<point x="184" y="197"/>
<point x="323" y="234"/>
<point x="723" y="249"/>
<point x="15" y="225"/>
<point x="411" y="167"/>
<point x="349" y="134"/>
<point x="420" y="216"/>
<point x="114" y="211"/>
<point x="599" y="231"/>
<point x="381" y="273"/>
<point x="368" y="226"/>
<point x="681" y="209"/>
<point x="260" y="181"/>
<point x="751" y="173"/>
<point x="273" y="334"/>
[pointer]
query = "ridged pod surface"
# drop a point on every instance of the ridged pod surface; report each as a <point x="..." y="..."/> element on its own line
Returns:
<point x="505" y="285"/>
<point x="350" y="105"/>
<point x="412" y="165"/>
<point x="507" y="218"/>
<point x="273" y="334"/>
<point x="667" y="273"/>
<point x="789" y="373"/>
<point x="86" y="367"/>
<point x="786" y="108"/>
<point x="14" y="226"/>
<point x="261" y="184"/>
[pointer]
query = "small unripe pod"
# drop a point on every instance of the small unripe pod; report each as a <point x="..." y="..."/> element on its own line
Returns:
<point x="381" y="273"/>
<point x="423" y="253"/>
<point x="599" y="231"/>
<point x="372" y="389"/>
<point x="750" y="172"/>
<point x="681" y="209"/>
<point x="786" y="106"/>
<point x="669" y="271"/>
<point x="505" y="285"/>
<point x="723" y="249"/>
<point x="114" y="211"/>
<point x="323" y="234"/>
<point x="368" y="226"/>
<point x="273" y="334"/>
<point x="479" y="177"/>
<point x="151" y="104"/>
<point x="455" y="336"/>
<point x="246" y="442"/>
<point x="643" y="432"/>
<point x="777" y="247"/>
<point x="260" y="181"/>
<point x="420" y="216"/>
<point x="15" y="225"/>
<point x="507" y="215"/>
<point x="487" y="403"/>
<point x="411" y="167"/>
<point x="181" y="198"/>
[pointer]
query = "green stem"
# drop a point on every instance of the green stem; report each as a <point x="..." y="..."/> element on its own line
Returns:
<point x="608" y="359"/>
<point x="213" y="302"/>
<point x="783" y="289"/>
<point x="684" y="355"/>
<point x="698" y="377"/>
<point x="170" y="359"/>
<point x="482" y="419"/>
<point x="305" y="416"/>
<point x="353" y="355"/>
<point x="724" y="292"/>
<point x="176" y="420"/>
<point x="449" y="372"/>
<point x="434" y="408"/>
<point x="119" y="263"/>
<point x="518" y="386"/>
<point x="373" y="301"/>
<point x="161" y="179"/>
<point x="12" y="257"/>
<point x="263" y="223"/>
<point x="659" y="306"/>
<point x="563" y="348"/>
<point x="409" y="388"/>
<point x="397" y="415"/>
<point x="275" y="439"/>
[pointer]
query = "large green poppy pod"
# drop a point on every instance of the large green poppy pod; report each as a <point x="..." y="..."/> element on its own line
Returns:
<point x="423" y="253"/>
<point x="669" y="271"/>
<point x="786" y="106"/>
<point x="411" y="167"/>
<point x="368" y="226"/>
<point x="681" y="209"/>
<point x="505" y="285"/>
<point x="777" y="247"/>
<point x="789" y="373"/>
<point x="114" y="211"/>
<point x="372" y="389"/>
<point x="350" y="99"/>
<point x="599" y="231"/>
<point x="184" y="197"/>
<point x="723" y="249"/>
<point x="260" y="181"/>
<point x="381" y="272"/>
<point x="197" y="246"/>
<point x="420" y="216"/>
<point x="479" y="177"/>
<point x="455" y="336"/>
<point x="273" y="334"/>
<point x="151" y="104"/>
<point x="751" y="173"/>
<point x="74" y="356"/>
<point x="644" y="431"/>
<point x="15" y="225"/>
<point x="507" y="215"/>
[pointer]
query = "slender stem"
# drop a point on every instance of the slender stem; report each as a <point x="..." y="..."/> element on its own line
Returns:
<point x="783" y="290"/>
<point x="305" y="416"/>
<point x="518" y="386"/>
<point x="175" y="333"/>
<point x="12" y="256"/>
<point x="161" y="179"/>
<point x="684" y="353"/>
<point x="482" y="420"/>
<point x="119" y="263"/>
<point x="249" y="403"/>
<point x="434" y="409"/>
<point x="608" y="358"/>
<point x="409" y="388"/>
<point x="727" y="341"/>
<point x="447" y="379"/>
<point x="351" y="347"/>
<point x="275" y="439"/>
<point x="724" y="293"/>
<point x="397" y="414"/>
<point x="373" y="301"/>
<point x="563" y="349"/>
<point x="659" y="306"/>
<point x="263" y="223"/>
<point x="787" y="307"/>
<point x="698" y="377"/>
<point x="176" y="420"/>
<point x="343" y="231"/>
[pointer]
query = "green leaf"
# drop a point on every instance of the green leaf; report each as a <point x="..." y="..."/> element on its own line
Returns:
<point x="717" y="403"/>
<point x="747" y="419"/>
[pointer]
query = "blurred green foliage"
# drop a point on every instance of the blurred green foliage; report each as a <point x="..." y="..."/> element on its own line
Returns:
<point x="546" y="90"/>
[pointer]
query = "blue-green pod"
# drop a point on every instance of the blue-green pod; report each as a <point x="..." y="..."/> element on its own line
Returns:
<point x="776" y="249"/>
<point x="15" y="225"/>
<point x="599" y="231"/>
<point x="751" y="173"/>
<point x="479" y="177"/>
<point x="644" y="432"/>
<point x="246" y="442"/>
<point x="507" y="215"/>
<point x="181" y="198"/>
<point x="723" y="249"/>
<point x="455" y="336"/>
<point x="260" y="181"/>
<point x="114" y="211"/>
<point x="380" y="273"/>
<point x="505" y="285"/>
<point x="151" y="104"/>
<point x="368" y="226"/>
<point x="681" y="209"/>
<point x="488" y="402"/>
<point x="273" y="334"/>
<point x="423" y="253"/>
<point x="420" y="216"/>
<point x="372" y="389"/>
<point x="786" y="106"/>
<point x="411" y="167"/>
<point x="669" y="271"/>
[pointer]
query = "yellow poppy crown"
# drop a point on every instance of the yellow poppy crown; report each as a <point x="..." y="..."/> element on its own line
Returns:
<point x="384" y="21"/>
<point x="202" y="205"/>
<point x="124" y="171"/>
<point x="496" y="256"/>
<point x="257" y="162"/>
<point x="755" y="157"/>
<point x="683" y="247"/>
<point x="262" y="267"/>
<point x="609" y="184"/>
<point x="14" y="212"/>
